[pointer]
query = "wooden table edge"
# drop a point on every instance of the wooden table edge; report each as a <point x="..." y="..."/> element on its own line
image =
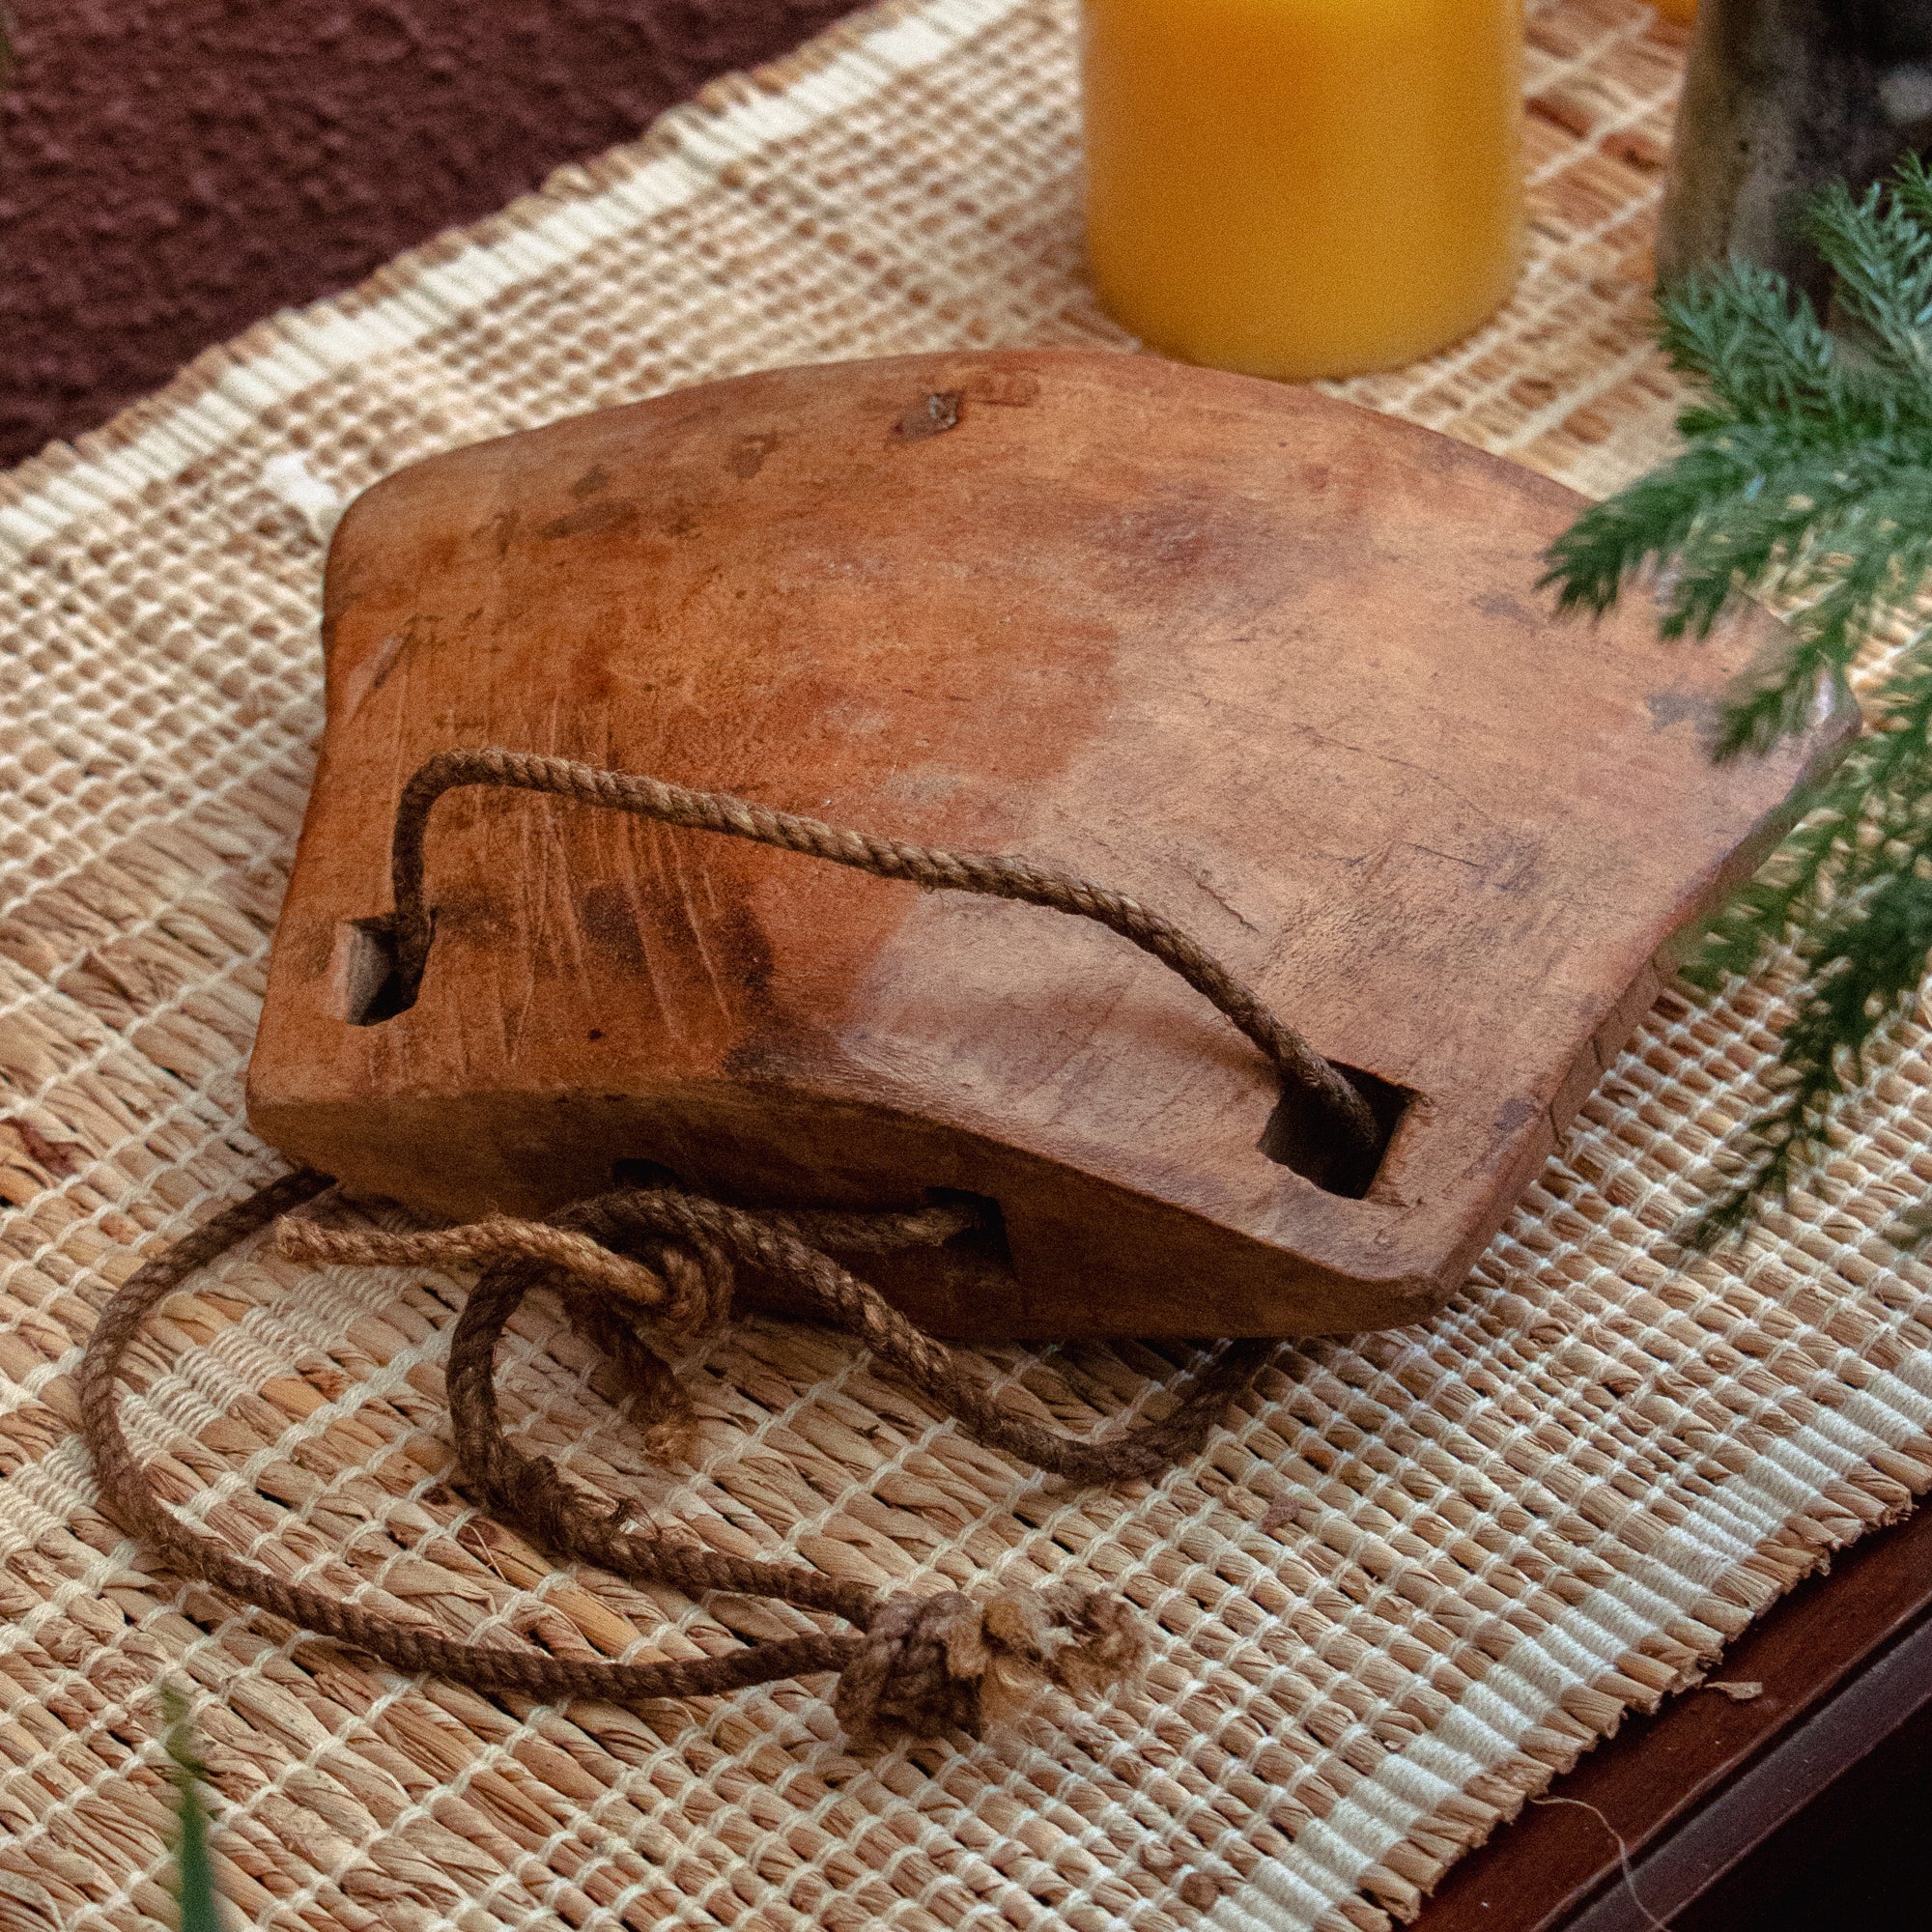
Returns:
<point x="1844" y="1660"/>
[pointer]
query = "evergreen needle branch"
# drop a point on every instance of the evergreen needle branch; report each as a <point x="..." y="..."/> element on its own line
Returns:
<point x="194" y="1862"/>
<point x="1805" y="474"/>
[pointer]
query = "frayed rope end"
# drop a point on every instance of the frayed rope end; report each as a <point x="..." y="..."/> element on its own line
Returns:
<point x="929" y="1664"/>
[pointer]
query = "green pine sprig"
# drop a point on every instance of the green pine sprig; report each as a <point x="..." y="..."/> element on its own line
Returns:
<point x="1805" y="476"/>
<point x="194" y="1861"/>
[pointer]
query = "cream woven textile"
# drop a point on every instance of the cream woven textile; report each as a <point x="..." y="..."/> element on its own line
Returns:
<point x="1412" y="1579"/>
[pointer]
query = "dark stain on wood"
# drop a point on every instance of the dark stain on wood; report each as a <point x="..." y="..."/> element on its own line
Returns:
<point x="592" y="520"/>
<point x="940" y="411"/>
<point x="749" y="453"/>
<point x="609" y="920"/>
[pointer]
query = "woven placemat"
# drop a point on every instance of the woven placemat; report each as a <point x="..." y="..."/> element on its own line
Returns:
<point x="1410" y="1582"/>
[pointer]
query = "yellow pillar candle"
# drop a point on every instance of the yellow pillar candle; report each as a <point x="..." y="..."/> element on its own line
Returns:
<point x="1302" y="187"/>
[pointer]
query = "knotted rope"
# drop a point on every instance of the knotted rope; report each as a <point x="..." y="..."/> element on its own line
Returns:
<point x="912" y="1664"/>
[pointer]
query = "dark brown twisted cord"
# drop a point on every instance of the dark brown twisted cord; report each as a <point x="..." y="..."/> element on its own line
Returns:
<point x="637" y="1220"/>
<point x="129" y="1495"/>
<point x="916" y="1664"/>
<point x="1339" y="1103"/>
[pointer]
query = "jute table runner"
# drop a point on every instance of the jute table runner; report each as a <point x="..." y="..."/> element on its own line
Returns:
<point x="1409" y="1583"/>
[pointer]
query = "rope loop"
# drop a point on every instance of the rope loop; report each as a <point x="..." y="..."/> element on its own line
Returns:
<point x="1339" y="1105"/>
<point x="911" y="1666"/>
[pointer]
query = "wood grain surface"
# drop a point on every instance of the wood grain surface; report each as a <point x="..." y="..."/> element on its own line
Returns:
<point x="1276" y="666"/>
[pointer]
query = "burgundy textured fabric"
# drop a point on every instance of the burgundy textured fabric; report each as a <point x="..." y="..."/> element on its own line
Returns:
<point x="171" y="169"/>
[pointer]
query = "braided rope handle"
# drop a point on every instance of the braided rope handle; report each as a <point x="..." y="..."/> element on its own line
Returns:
<point x="1338" y="1101"/>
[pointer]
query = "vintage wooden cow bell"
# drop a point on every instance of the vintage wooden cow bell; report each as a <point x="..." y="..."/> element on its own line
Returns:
<point x="1272" y="665"/>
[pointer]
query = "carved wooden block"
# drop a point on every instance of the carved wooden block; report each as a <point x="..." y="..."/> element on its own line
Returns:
<point x="1273" y="665"/>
